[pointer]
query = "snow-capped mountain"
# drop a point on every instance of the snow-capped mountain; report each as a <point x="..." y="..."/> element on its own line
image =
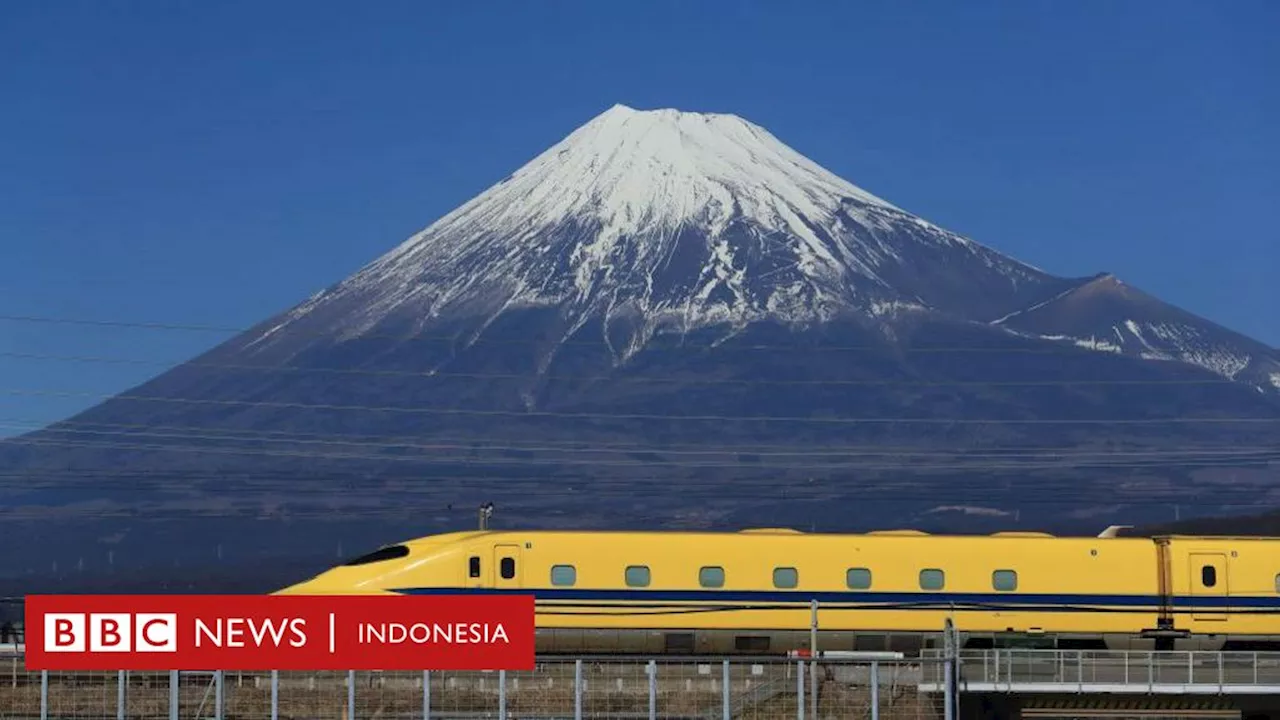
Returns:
<point x="666" y="318"/>
<point x="683" y="220"/>
<point x="652" y="221"/>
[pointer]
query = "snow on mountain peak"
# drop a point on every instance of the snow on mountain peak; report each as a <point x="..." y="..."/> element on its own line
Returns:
<point x="703" y="217"/>
<point x="635" y="170"/>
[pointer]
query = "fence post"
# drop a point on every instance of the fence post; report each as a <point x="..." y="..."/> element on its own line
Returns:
<point x="875" y="690"/>
<point x="218" y="689"/>
<point x="948" y="704"/>
<point x="275" y="694"/>
<point x="502" y="695"/>
<point x="173" y="694"/>
<point x="577" y="690"/>
<point x="800" y="690"/>
<point x="813" y="652"/>
<point x="44" y="695"/>
<point x="653" y="690"/>
<point x="351" y="695"/>
<point x="122" y="682"/>
<point x="426" y="695"/>
<point x="813" y="687"/>
<point x="725" y="693"/>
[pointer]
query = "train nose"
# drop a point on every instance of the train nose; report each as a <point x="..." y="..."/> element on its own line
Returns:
<point x="342" y="581"/>
<point x="366" y="575"/>
<point x="298" y="589"/>
<point x="307" y="587"/>
<point x="329" y="582"/>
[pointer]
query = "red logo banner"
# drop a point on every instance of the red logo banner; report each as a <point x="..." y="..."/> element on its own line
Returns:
<point x="280" y="632"/>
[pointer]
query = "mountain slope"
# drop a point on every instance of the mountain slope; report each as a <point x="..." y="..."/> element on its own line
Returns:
<point x="665" y="319"/>
<point x="1109" y="315"/>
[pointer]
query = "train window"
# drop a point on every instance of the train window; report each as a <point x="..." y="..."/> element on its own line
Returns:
<point x="1209" y="576"/>
<point x="387" y="553"/>
<point x="1278" y="582"/>
<point x="932" y="579"/>
<point x="563" y="575"/>
<point x="711" y="577"/>
<point x="857" y="578"/>
<point x="508" y="568"/>
<point x="473" y="567"/>
<point x="785" y="577"/>
<point x="638" y="576"/>
<point x="1006" y="580"/>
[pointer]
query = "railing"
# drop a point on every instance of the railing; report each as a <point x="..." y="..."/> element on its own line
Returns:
<point x="558" y="689"/>
<point x="1167" y="672"/>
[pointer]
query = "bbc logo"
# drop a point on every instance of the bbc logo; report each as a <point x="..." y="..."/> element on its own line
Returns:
<point x="110" y="632"/>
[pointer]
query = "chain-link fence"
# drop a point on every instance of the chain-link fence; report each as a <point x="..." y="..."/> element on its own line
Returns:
<point x="558" y="689"/>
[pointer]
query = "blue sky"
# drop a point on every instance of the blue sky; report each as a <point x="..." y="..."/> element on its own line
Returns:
<point x="215" y="163"/>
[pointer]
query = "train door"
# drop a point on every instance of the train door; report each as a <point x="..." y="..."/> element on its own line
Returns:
<point x="506" y="565"/>
<point x="1208" y="574"/>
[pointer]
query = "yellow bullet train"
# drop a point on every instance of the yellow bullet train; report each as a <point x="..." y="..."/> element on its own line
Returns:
<point x="755" y="591"/>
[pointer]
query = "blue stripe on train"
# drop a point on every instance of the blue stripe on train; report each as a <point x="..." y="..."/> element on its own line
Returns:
<point x="753" y="596"/>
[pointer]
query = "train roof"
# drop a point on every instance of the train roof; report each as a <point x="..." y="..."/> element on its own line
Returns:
<point x="779" y="532"/>
<point x="1108" y="534"/>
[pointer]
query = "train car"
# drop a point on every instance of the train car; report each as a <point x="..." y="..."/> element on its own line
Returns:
<point x="771" y="590"/>
<point x="1222" y="590"/>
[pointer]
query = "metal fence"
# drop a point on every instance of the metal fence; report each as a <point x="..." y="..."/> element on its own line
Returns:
<point x="557" y="689"/>
<point x="1247" y="673"/>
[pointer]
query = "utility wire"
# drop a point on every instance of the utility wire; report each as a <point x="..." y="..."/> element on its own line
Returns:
<point x="644" y="416"/>
<point x="463" y="340"/>
<point x="709" y="494"/>
<point x="1181" y="462"/>
<point x="237" y="488"/>
<point x="339" y="511"/>
<point x="162" y="433"/>
<point x="592" y="446"/>
<point x="411" y="479"/>
<point x="441" y="374"/>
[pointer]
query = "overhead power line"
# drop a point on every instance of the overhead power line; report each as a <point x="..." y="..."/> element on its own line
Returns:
<point x="141" y="325"/>
<point x="405" y="514"/>
<point x="900" y="475"/>
<point x="337" y="503"/>
<point x="644" y="416"/>
<point x="544" y="489"/>
<point x="464" y="339"/>
<point x="161" y="432"/>
<point x="619" y="378"/>
<point x="478" y="441"/>
<point x="480" y="444"/>
<point x="518" y="462"/>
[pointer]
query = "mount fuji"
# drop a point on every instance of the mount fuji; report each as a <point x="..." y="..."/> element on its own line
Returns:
<point x="665" y="319"/>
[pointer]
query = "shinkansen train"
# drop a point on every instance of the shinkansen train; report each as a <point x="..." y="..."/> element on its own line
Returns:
<point x="764" y="591"/>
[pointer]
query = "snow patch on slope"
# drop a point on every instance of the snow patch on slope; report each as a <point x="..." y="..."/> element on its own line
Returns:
<point x="1187" y="344"/>
<point x="1037" y="306"/>
<point x="1089" y="343"/>
<point x="880" y="309"/>
<point x="1164" y="342"/>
